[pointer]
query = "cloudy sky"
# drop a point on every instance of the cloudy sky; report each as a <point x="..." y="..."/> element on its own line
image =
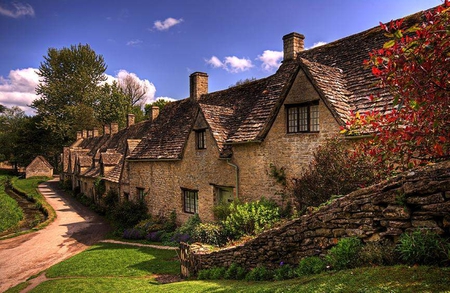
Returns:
<point x="162" y="42"/>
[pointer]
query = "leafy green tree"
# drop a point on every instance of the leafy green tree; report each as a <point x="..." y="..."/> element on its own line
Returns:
<point x="70" y="84"/>
<point x="160" y="103"/>
<point x="111" y="105"/>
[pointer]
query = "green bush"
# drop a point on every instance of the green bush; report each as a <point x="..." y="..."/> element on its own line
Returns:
<point x="380" y="253"/>
<point x="235" y="272"/>
<point x="128" y="214"/>
<point x="284" y="272"/>
<point x="423" y="247"/>
<point x="209" y="233"/>
<point x="333" y="171"/>
<point x="345" y="254"/>
<point x="251" y="218"/>
<point x="259" y="273"/>
<point x="221" y="211"/>
<point x="111" y="199"/>
<point x="310" y="265"/>
<point x="215" y="273"/>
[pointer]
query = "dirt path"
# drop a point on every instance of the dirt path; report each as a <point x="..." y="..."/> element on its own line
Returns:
<point x="74" y="230"/>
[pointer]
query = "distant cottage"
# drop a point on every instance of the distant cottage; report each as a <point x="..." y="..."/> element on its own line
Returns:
<point x="217" y="147"/>
<point x="39" y="167"/>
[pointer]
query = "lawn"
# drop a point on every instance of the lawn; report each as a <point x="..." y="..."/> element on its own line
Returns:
<point x="10" y="212"/>
<point x="121" y="268"/>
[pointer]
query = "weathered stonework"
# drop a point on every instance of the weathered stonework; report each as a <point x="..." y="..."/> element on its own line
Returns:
<point x="368" y="214"/>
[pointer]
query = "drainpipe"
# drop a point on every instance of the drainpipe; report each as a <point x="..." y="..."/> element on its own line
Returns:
<point x="237" y="176"/>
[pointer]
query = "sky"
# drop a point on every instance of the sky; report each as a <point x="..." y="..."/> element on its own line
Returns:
<point x="160" y="43"/>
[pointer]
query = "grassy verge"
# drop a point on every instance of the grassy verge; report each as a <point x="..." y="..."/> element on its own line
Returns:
<point x="121" y="268"/>
<point x="29" y="188"/>
<point x="10" y="212"/>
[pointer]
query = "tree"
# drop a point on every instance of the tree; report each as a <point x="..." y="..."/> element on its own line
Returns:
<point x="160" y="103"/>
<point x="70" y="79"/>
<point x="414" y="67"/>
<point x="111" y="105"/>
<point x="134" y="89"/>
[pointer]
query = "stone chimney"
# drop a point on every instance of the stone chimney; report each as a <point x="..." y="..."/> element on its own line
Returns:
<point x="106" y="129"/>
<point x="114" y="128"/>
<point x="90" y="133"/>
<point x="130" y="120"/>
<point x="95" y="132"/>
<point x="198" y="85"/>
<point x="293" y="43"/>
<point x="79" y="135"/>
<point x="85" y="133"/>
<point x="154" y="112"/>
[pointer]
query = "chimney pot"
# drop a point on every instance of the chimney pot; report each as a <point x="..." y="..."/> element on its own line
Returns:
<point x="114" y="128"/>
<point x="198" y="85"/>
<point x="85" y="133"/>
<point x="130" y="120"/>
<point x="155" y="112"/>
<point x="293" y="44"/>
<point x="79" y="135"/>
<point x="106" y="129"/>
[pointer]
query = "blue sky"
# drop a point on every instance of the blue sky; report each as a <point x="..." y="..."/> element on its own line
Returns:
<point x="162" y="42"/>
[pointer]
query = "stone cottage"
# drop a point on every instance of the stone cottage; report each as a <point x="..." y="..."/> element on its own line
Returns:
<point x="214" y="148"/>
<point x="39" y="167"/>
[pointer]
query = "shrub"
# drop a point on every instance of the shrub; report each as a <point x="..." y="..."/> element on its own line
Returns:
<point x="251" y="218"/>
<point x="133" y="234"/>
<point x="189" y="226"/>
<point x="423" y="247"/>
<point x="215" y="273"/>
<point x="310" y="265"/>
<point x="221" y="211"/>
<point x="333" y="171"/>
<point x="344" y="254"/>
<point x="209" y="233"/>
<point x="259" y="273"/>
<point x="154" y="236"/>
<point x="377" y="253"/>
<point x="284" y="272"/>
<point x="128" y="214"/>
<point x="111" y="199"/>
<point x="235" y="272"/>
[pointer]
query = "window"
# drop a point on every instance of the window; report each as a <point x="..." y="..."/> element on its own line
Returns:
<point x="303" y="118"/>
<point x="140" y="193"/>
<point x="200" y="139"/>
<point x="190" y="201"/>
<point x="224" y="195"/>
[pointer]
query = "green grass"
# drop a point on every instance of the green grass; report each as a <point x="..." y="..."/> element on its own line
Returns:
<point x="10" y="212"/>
<point x="110" y="267"/>
<point x="114" y="260"/>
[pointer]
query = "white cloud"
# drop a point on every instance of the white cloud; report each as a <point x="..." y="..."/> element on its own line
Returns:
<point x="271" y="59"/>
<point x="18" y="89"/>
<point x="167" y="99"/>
<point x="214" y="62"/>
<point x="19" y="10"/>
<point x="317" y="45"/>
<point x="166" y="24"/>
<point x="134" y="43"/>
<point x="231" y="64"/>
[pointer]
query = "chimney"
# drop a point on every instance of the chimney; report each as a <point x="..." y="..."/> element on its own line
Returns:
<point x="95" y="132"/>
<point x="130" y="120"/>
<point x="154" y="113"/>
<point x="85" y="133"/>
<point x="90" y="133"/>
<point x="114" y="128"/>
<point x="106" y="129"/>
<point x="293" y="43"/>
<point x="198" y="85"/>
<point x="79" y="135"/>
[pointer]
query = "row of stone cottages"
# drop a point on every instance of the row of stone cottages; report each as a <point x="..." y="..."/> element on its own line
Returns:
<point x="217" y="147"/>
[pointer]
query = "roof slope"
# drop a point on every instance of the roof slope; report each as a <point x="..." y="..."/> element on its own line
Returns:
<point x="168" y="133"/>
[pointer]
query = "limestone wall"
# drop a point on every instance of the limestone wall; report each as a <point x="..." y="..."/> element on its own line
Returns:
<point x="417" y="199"/>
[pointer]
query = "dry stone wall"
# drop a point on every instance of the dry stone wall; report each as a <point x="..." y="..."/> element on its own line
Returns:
<point x="416" y="199"/>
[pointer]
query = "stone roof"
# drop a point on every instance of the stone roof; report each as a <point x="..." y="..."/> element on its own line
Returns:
<point x="110" y="159"/>
<point x="40" y="160"/>
<point x="84" y="161"/>
<point x="168" y="133"/>
<point x="114" y="174"/>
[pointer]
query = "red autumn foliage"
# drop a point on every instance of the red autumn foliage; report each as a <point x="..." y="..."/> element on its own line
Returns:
<point x="414" y="66"/>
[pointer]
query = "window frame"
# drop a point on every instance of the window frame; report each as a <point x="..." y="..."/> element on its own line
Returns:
<point x="140" y="193"/>
<point x="187" y="206"/>
<point x="200" y="139"/>
<point x="298" y="119"/>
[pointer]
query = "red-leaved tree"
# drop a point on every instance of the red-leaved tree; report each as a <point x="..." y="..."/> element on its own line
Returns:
<point x="414" y="67"/>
